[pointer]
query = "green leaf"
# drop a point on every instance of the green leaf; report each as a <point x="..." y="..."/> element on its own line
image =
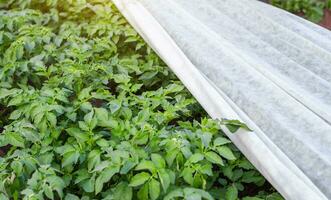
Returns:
<point x="90" y="120"/>
<point x="173" y="88"/>
<point x="102" y="165"/>
<point x="5" y="92"/>
<point x="99" y="184"/>
<point x="234" y="125"/>
<point x="171" y="156"/>
<point x="174" y="194"/>
<point x="221" y="141"/>
<point x="206" y="138"/>
<point x="154" y="189"/>
<point x="148" y="75"/>
<point x="123" y="191"/>
<point x="127" y="166"/>
<point x="101" y="114"/>
<point x="164" y="179"/>
<point x="80" y="136"/>
<point x="14" y="139"/>
<point x="51" y="117"/>
<point x="86" y="106"/>
<point x="251" y="198"/>
<point x="145" y="165"/>
<point x="193" y="193"/>
<point x="121" y="78"/>
<point x="214" y="158"/>
<point x="139" y="179"/>
<point x="143" y="192"/>
<point x="88" y="184"/>
<point x="70" y="158"/>
<point x="198" y="180"/>
<point x="48" y="191"/>
<point x="84" y="126"/>
<point x="102" y="143"/>
<point x="17" y="166"/>
<point x="196" y="158"/>
<point x="187" y="174"/>
<point x="226" y="152"/>
<point x="57" y="184"/>
<point x="231" y="193"/>
<point x="85" y="93"/>
<point x="136" y="87"/>
<point x="93" y="159"/>
<point x="15" y="114"/>
<point x="71" y="197"/>
<point x="114" y="106"/>
<point x="158" y="161"/>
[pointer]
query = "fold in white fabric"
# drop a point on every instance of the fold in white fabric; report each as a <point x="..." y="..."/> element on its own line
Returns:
<point x="267" y="67"/>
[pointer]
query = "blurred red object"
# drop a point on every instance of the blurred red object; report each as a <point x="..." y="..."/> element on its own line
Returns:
<point x="326" y="21"/>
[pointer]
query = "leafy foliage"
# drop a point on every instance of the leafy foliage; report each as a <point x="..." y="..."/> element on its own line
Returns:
<point x="88" y="111"/>
<point x="311" y="9"/>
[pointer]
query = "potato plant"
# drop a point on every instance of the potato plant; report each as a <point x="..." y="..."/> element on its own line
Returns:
<point x="89" y="111"/>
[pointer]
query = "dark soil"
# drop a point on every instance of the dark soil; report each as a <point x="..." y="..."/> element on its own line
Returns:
<point x="4" y="150"/>
<point x="253" y="190"/>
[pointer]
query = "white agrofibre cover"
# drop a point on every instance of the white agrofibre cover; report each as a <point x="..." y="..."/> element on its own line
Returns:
<point x="243" y="59"/>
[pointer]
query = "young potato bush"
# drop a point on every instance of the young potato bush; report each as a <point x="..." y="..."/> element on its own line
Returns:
<point x="89" y="111"/>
